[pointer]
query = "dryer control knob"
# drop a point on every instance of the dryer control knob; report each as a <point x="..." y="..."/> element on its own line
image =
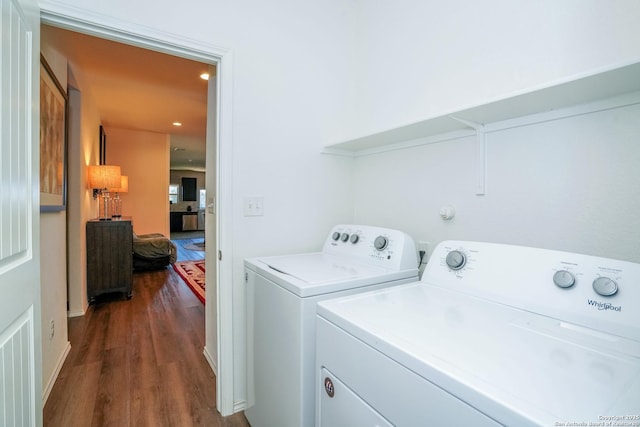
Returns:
<point x="380" y="243"/>
<point x="564" y="279"/>
<point x="605" y="286"/>
<point x="354" y="238"/>
<point x="345" y="237"/>
<point x="335" y="235"/>
<point x="456" y="260"/>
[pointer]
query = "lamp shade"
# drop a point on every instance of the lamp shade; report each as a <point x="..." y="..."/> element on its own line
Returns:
<point x="124" y="185"/>
<point x="104" y="176"/>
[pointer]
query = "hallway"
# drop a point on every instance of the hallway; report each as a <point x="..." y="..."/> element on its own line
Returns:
<point x="139" y="362"/>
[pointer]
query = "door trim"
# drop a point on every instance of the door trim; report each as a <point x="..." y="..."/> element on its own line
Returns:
<point x="107" y="27"/>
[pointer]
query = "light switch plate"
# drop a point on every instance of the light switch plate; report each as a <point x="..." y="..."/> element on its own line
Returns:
<point x="254" y="206"/>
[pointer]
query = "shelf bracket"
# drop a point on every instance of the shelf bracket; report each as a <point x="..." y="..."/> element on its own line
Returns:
<point x="469" y="123"/>
<point x="481" y="161"/>
<point x="481" y="153"/>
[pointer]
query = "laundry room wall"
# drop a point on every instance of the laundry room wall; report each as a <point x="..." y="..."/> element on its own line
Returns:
<point x="418" y="59"/>
<point x="569" y="184"/>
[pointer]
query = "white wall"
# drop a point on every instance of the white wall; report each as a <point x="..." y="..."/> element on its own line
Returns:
<point x="418" y="59"/>
<point x="291" y="94"/>
<point x="568" y="184"/>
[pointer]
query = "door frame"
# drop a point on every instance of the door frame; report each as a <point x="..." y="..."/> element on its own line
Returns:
<point x="107" y="27"/>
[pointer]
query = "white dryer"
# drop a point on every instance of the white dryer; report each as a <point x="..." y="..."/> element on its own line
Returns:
<point x="491" y="335"/>
<point x="282" y="293"/>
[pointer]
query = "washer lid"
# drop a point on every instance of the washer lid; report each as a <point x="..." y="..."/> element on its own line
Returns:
<point x="320" y="273"/>
<point x="511" y="364"/>
<point x="317" y="268"/>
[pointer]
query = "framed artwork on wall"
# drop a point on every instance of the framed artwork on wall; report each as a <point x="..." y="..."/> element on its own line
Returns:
<point x="53" y="141"/>
<point x="189" y="191"/>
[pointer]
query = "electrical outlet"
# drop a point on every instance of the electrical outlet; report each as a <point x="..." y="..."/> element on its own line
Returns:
<point x="423" y="245"/>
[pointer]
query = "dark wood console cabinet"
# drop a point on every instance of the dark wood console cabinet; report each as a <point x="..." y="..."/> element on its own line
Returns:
<point x="109" y="257"/>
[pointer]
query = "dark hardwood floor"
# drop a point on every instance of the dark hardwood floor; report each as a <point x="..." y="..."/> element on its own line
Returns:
<point x="139" y="362"/>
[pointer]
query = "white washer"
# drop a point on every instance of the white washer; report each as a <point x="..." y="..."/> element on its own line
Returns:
<point x="282" y="293"/>
<point x="491" y="335"/>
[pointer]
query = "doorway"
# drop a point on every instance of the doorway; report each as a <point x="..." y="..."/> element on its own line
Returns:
<point x="219" y="342"/>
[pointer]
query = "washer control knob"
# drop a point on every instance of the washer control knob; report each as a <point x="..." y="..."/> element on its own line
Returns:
<point x="605" y="286"/>
<point x="564" y="279"/>
<point x="354" y="238"/>
<point x="381" y="243"/>
<point x="456" y="260"/>
<point x="345" y="237"/>
<point x="335" y="235"/>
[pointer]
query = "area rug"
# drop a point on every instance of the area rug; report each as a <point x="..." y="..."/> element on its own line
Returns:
<point x="195" y="246"/>
<point x="192" y="272"/>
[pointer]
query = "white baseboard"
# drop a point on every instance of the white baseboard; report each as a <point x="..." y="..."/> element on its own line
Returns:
<point x="239" y="406"/>
<point x="54" y="375"/>
<point x="207" y="356"/>
<point x="75" y="313"/>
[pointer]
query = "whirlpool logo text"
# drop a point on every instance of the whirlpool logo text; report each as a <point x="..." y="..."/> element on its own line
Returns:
<point x="604" y="305"/>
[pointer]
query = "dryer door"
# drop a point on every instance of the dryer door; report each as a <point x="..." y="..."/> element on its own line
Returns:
<point x="341" y="407"/>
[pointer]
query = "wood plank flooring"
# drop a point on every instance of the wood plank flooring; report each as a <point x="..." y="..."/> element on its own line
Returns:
<point x="139" y="362"/>
<point x="186" y="254"/>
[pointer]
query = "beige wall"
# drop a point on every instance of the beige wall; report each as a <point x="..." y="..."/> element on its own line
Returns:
<point x="144" y="158"/>
<point x="84" y="122"/>
<point x="53" y="267"/>
<point x="63" y="259"/>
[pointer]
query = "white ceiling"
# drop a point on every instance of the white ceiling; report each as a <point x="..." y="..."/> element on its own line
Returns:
<point x="139" y="89"/>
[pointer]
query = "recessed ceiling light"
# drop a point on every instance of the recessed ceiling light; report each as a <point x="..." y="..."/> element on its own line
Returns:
<point x="177" y="124"/>
<point x="204" y="76"/>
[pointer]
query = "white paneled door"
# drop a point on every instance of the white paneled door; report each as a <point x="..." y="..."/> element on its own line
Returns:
<point x="20" y="349"/>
